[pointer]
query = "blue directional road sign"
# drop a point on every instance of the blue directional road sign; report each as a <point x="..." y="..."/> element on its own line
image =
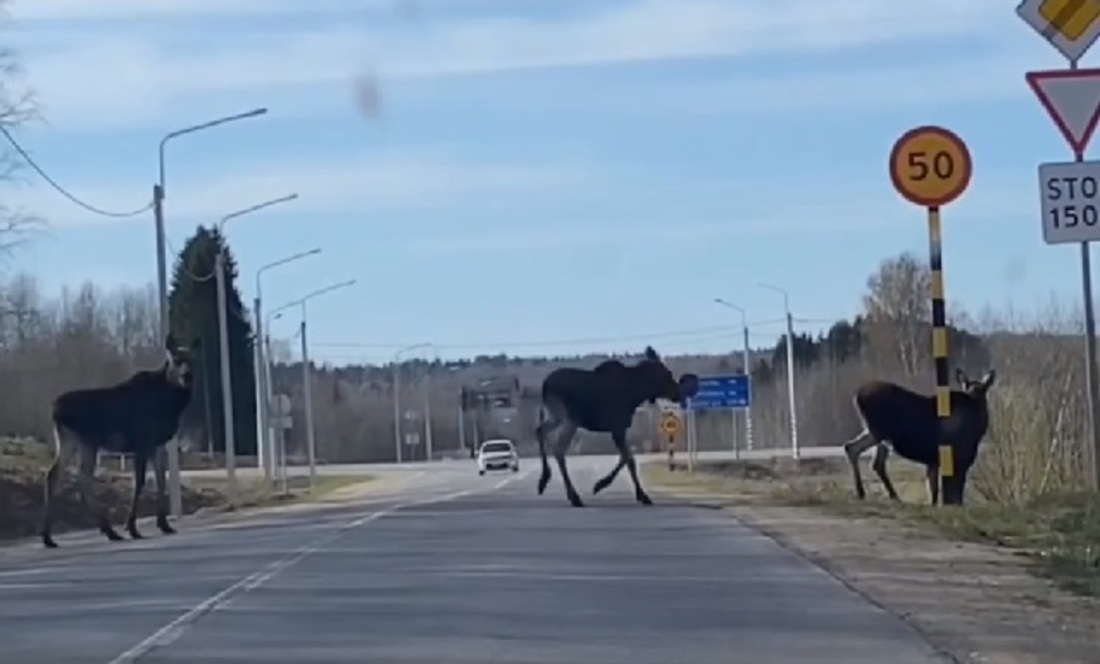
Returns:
<point x="719" y="392"/>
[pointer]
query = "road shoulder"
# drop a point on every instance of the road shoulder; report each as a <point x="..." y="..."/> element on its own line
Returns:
<point x="976" y="602"/>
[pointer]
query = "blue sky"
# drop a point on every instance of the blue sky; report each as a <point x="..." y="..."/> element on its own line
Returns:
<point x="542" y="171"/>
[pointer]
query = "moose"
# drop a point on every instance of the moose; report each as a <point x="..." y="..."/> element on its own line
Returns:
<point x="908" y="422"/>
<point x="603" y="399"/>
<point x="137" y="416"/>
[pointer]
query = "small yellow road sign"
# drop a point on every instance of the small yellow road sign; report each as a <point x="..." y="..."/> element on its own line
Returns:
<point x="670" y="424"/>
<point x="1070" y="26"/>
<point x="930" y="166"/>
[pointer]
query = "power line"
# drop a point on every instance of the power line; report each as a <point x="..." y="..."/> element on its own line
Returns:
<point x="61" y="190"/>
<point x="728" y="329"/>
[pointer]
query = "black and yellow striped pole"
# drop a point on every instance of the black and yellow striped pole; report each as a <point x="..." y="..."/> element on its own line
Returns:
<point x="670" y="426"/>
<point x="931" y="167"/>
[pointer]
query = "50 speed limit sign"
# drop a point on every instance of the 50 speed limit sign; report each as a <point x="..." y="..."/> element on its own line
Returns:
<point x="1069" y="199"/>
<point x="930" y="166"/>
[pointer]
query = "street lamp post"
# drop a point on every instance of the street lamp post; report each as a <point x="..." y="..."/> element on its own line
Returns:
<point x="223" y="346"/>
<point x="397" y="398"/>
<point x="278" y="439"/>
<point x="428" y="428"/>
<point x="745" y="362"/>
<point x="307" y="392"/>
<point x="790" y="367"/>
<point x="265" y="448"/>
<point x="175" y="495"/>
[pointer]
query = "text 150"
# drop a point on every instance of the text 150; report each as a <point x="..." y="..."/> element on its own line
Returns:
<point x="1069" y="216"/>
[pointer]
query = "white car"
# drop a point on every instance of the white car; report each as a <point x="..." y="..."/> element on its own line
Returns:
<point x="497" y="454"/>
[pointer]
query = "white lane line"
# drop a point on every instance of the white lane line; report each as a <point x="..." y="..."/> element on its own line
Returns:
<point x="28" y="572"/>
<point x="179" y="626"/>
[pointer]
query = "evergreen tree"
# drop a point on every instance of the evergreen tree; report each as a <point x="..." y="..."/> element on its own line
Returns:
<point x="193" y="315"/>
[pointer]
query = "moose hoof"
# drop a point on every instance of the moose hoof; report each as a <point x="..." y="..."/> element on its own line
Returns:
<point x="134" y="533"/>
<point x="543" y="481"/>
<point x="111" y="534"/>
<point x="165" y="527"/>
<point x="600" y="486"/>
<point x="575" y="500"/>
<point x="644" y="499"/>
<point x="47" y="541"/>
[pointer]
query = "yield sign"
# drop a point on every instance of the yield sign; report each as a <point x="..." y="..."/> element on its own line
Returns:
<point x="1072" y="97"/>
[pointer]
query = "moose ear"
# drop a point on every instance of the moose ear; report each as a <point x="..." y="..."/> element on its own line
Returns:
<point x="170" y="342"/>
<point x="988" y="378"/>
<point x="651" y="354"/>
<point x="960" y="376"/>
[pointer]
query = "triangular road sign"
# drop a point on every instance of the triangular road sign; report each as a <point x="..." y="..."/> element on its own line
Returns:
<point x="1072" y="97"/>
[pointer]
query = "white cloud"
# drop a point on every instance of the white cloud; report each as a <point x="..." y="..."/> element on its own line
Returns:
<point x="125" y="76"/>
<point x="356" y="185"/>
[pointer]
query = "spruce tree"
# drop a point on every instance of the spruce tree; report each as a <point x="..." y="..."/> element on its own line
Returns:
<point x="193" y="315"/>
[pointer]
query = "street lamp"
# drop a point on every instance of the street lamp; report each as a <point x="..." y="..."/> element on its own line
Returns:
<point x="307" y="392"/>
<point x="223" y="345"/>
<point x="397" y="399"/>
<point x="175" y="495"/>
<point x="263" y="433"/>
<point x="745" y="362"/>
<point x="790" y="366"/>
<point x="428" y="428"/>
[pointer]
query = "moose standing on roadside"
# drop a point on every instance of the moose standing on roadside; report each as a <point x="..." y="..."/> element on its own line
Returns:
<point x="908" y="422"/>
<point x="137" y="416"/>
<point x="603" y="399"/>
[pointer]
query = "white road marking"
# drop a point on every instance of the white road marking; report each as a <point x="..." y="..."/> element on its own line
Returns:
<point x="28" y="572"/>
<point x="585" y="578"/>
<point x="179" y="626"/>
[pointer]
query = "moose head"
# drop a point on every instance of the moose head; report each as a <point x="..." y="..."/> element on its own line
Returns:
<point x="658" y="382"/>
<point x="179" y="360"/>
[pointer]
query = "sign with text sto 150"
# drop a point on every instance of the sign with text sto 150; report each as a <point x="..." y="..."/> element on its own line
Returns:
<point x="1070" y="195"/>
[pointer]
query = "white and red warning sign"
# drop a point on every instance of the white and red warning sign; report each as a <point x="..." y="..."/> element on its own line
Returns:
<point x="1072" y="98"/>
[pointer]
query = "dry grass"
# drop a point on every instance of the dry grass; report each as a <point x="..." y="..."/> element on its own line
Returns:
<point x="258" y="493"/>
<point x="23" y="463"/>
<point x="1059" y="532"/>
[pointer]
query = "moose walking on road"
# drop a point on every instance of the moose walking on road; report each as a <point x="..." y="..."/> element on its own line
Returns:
<point x="137" y="416"/>
<point x="908" y="422"/>
<point x="603" y="399"/>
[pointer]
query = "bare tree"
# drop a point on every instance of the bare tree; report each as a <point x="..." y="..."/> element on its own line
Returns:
<point x="898" y="311"/>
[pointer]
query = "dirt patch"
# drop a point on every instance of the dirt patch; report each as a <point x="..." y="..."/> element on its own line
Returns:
<point x="23" y="464"/>
<point x="21" y="495"/>
<point x="978" y="601"/>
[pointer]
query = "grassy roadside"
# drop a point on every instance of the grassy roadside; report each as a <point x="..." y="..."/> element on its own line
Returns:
<point x="1058" y="534"/>
<point x="23" y="464"/>
<point x="252" y="493"/>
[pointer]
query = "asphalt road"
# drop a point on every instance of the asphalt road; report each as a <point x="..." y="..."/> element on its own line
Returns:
<point x="455" y="568"/>
<point x="345" y="469"/>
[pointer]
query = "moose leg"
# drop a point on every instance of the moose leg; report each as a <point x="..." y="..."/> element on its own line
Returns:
<point x="932" y="476"/>
<point x="86" y="480"/>
<point x="862" y="442"/>
<point x="565" y="437"/>
<point x="141" y="462"/>
<point x="878" y="464"/>
<point x="160" y="482"/>
<point x="626" y="458"/>
<point x="64" y="446"/>
<point x="541" y="431"/>
<point x="607" y="479"/>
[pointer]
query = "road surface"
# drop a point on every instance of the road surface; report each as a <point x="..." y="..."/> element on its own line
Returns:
<point x="451" y="569"/>
<point x="346" y="469"/>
